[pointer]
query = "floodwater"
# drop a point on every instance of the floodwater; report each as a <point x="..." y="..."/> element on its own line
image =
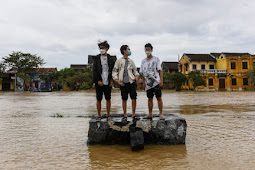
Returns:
<point x="220" y="132"/>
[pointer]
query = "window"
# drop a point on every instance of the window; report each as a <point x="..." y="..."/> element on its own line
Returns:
<point x="187" y="82"/>
<point x="194" y="66"/>
<point x="210" y="82"/>
<point x="245" y="66"/>
<point x="245" y="81"/>
<point x="233" y="81"/>
<point x="180" y="68"/>
<point x="211" y="66"/>
<point x="233" y="65"/>
<point x="202" y="66"/>
<point x="186" y="67"/>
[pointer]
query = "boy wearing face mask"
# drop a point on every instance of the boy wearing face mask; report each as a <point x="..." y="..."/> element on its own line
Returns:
<point x="102" y="77"/>
<point x="126" y="75"/>
<point x="152" y="75"/>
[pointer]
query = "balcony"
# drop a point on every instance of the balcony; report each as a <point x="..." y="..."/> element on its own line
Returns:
<point x="214" y="71"/>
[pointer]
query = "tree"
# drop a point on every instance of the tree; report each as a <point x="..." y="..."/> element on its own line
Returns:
<point x="63" y="75"/>
<point x="2" y="70"/>
<point x="251" y="74"/>
<point x="23" y="63"/>
<point x="178" y="79"/>
<point x="167" y="78"/>
<point x="196" y="79"/>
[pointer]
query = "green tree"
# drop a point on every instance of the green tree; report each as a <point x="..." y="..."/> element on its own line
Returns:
<point x="23" y="63"/>
<point x="63" y="75"/>
<point x="2" y="70"/>
<point x="196" y="79"/>
<point x="251" y="74"/>
<point x="178" y="79"/>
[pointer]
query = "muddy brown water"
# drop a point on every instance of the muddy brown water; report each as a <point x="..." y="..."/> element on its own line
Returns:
<point x="220" y="135"/>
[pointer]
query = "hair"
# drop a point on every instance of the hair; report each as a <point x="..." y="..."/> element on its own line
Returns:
<point x="104" y="44"/>
<point x="123" y="48"/>
<point x="148" y="45"/>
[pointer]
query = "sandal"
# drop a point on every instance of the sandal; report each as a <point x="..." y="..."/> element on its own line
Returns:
<point x="124" y="119"/>
<point x="161" y="117"/>
<point x="135" y="118"/>
<point x="98" y="119"/>
<point x="148" y="117"/>
<point x="109" y="118"/>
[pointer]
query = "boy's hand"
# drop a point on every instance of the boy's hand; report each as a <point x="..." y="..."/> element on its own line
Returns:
<point x="144" y="86"/>
<point x="100" y="83"/>
<point x="161" y="83"/>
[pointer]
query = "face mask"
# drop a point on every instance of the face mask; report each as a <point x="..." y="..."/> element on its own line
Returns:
<point x="102" y="51"/>
<point x="129" y="53"/>
<point x="148" y="53"/>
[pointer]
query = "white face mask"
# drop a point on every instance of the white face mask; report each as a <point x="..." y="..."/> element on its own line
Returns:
<point x="102" y="51"/>
<point x="148" y="53"/>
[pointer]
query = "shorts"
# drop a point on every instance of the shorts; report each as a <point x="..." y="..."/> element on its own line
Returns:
<point x="155" y="90"/>
<point x="106" y="90"/>
<point x="128" y="89"/>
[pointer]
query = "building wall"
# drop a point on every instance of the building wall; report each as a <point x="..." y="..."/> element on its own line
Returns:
<point x="221" y="62"/>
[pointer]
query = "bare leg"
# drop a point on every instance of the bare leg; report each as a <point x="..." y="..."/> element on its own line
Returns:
<point x="150" y="106"/>
<point x="160" y="105"/>
<point x="99" y="108"/>
<point x="133" y="107"/>
<point x="124" y="106"/>
<point x="108" y="107"/>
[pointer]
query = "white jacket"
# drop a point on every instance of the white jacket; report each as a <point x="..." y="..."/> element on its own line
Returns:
<point x="118" y="70"/>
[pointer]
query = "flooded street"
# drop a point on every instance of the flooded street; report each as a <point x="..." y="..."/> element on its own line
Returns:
<point x="220" y="132"/>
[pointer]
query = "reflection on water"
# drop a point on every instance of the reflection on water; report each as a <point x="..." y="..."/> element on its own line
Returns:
<point x="120" y="157"/>
<point x="220" y="133"/>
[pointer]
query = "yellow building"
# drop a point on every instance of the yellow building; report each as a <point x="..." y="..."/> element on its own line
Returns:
<point x="221" y="71"/>
<point x="203" y="62"/>
<point x="8" y="81"/>
<point x="237" y="65"/>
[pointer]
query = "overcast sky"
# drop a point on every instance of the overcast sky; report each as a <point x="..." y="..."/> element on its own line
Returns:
<point x="65" y="32"/>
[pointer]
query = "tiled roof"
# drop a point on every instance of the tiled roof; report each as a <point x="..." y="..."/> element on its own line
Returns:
<point x="235" y="54"/>
<point x="45" y="70"/>
<point x="170" y="65"/>
<point x="200" y="57"/>
<point x="78" y="66"/>
<point x="216" y="54"/>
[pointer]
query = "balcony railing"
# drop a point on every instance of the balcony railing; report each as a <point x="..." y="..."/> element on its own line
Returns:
<point x="214" y="71"/>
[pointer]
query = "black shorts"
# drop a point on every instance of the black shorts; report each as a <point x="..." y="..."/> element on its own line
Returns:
<point x="128" y="89"/>
<point x="155" y="90"/>
<point x="106" y="89"/>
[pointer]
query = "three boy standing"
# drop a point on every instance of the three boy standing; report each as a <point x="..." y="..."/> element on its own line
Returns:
<point x="125" y="74"/>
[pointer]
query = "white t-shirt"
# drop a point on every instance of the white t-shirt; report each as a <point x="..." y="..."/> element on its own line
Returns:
<point x="105" y="69"/>
<point x="150" y="70"/>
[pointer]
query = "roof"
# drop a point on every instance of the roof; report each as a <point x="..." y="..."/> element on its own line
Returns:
<point x="235" y="54"/>
<point x="79" y="66"/>
<point x="170" y="65"/>
<point x="200" y="57"/>
<point x="216" y="54"/>
<point x="45" y="70"/>
<point x="91" y="60"/>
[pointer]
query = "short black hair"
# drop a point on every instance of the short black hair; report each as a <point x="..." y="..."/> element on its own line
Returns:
<point x="148" y="45"/>
<point x="123" y="48"/>
<point x="104" y="44"/>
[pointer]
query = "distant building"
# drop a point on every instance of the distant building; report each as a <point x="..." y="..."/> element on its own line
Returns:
<point x="8" y="81"/>
<point x="41" y="85"/>
<point x="79" y="67"/>
<point x="221" y="71"/>
<point x="170" y="67"/>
